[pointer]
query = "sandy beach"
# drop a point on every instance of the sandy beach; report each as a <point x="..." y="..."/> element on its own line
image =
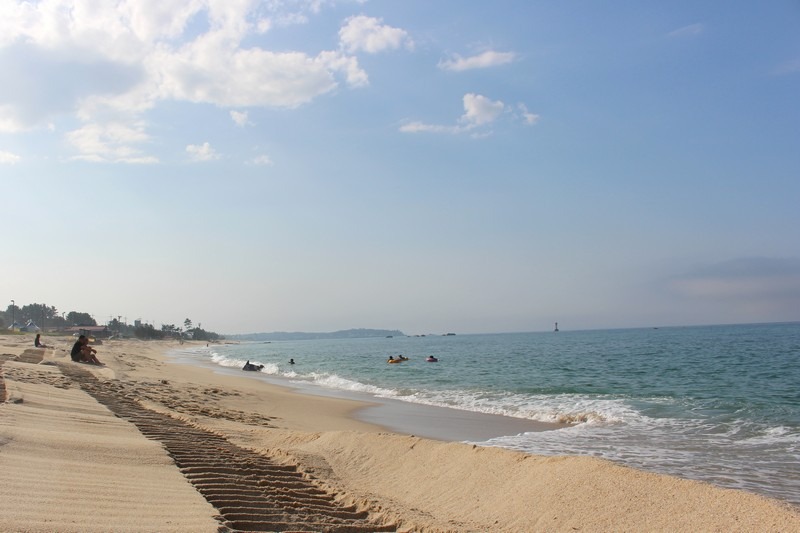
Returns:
<point x="144" y="444"/>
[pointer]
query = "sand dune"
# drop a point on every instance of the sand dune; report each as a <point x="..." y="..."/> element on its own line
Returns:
<point x="145" y="445"/>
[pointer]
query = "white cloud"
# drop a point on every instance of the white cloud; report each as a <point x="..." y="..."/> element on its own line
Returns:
<point x="7" y="158"/>
<point x="371" y="36"/>
<point x="154" y="19"/>
<point x="113" y="142"/>
<point x="116" y="60"/>
<point x="213" y="70"/>
<point x="10" y="121"/>
<point x="240" y="118"/>
<point x="262" y="160"/>
<point x="290" y="19"/>
<point x="480" y="110"/>
<point x="529" y="118"/>
<point x="202" y="152"/>
<point x="421" y="127"/>
<point x="484" y="60"/>
<point x="263" y="25"/>
<point x="688" y="31"/>
<point x="337" y="62"/>
<point x="789" y="67"/>
<point x="43" y="85"/>
<point x="771" y="280"/>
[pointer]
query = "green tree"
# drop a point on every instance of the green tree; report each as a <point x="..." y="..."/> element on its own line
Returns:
<point x="200" y="334"/>
<point x="12" y="314"/>
<point x="42" y="314"/>
<point x="147" y="332"/>
<point x="171" y="330"/>
<point x="39" y="313"/>
<point x="187" y="324"/>
<point x="80" y="319"/>
<point x="116" y="326"/>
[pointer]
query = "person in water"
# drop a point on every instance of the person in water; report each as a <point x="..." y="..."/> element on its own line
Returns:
<point x="83" y="353"/>
<point x="291" y="361"/>
<point x="250" y="366"/>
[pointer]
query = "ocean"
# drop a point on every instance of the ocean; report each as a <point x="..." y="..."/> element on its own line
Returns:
<point x="714" y="403"/>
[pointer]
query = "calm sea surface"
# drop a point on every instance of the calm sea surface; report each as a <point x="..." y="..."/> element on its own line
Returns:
<point x="714" y="403"/>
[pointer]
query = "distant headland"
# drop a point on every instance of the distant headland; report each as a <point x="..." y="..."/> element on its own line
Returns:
<point x="359" y="333"/>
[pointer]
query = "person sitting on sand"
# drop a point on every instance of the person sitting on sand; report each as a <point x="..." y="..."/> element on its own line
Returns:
<point x="83" y="353"/>
<point x="37" y="341"/>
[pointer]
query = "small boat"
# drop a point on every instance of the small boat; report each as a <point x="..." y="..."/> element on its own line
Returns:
<point x="431" y="359"/>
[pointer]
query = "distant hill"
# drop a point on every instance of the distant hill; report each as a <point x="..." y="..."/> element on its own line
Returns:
<point x="360" y="333"/>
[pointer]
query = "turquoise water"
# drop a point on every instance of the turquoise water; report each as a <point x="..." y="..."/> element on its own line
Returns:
<point x="714" y="403"/>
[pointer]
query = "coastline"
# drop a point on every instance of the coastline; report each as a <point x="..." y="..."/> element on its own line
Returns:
<point x="403" y="482"/>
<point x="429" y="421"/>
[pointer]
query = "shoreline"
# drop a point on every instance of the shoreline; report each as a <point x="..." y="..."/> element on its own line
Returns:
<point x="429" y="421"/>
<point x="446" y="424"/>
<point x="57" y="410"/>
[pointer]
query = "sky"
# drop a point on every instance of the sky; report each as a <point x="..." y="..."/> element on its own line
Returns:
<point x="450" y="166"/>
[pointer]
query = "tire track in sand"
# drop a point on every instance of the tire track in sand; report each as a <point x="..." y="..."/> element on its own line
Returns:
<point x="251" y="492"/>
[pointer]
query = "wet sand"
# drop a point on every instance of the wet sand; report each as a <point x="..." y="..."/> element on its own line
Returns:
<point x="433" y="422"/>
<point x="441" y="423"/>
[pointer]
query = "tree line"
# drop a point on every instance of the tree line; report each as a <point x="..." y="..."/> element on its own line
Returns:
<point x="148" y="331"/>
<point x="47" y="316"/>
<point x="44" y="315"/>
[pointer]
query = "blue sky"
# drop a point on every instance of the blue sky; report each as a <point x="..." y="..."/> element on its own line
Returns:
<point x="428" y="166"/>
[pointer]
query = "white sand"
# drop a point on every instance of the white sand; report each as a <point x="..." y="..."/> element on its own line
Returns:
<point x="69" y="465"/>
